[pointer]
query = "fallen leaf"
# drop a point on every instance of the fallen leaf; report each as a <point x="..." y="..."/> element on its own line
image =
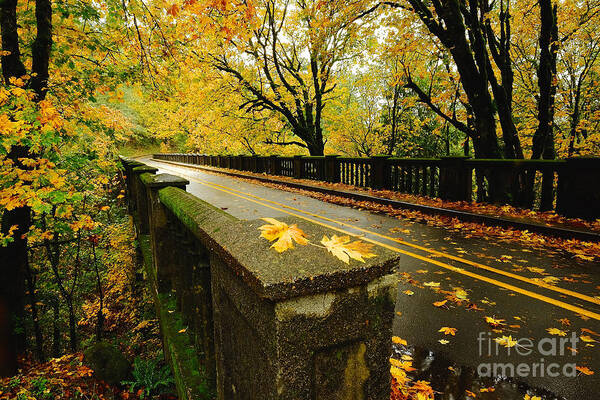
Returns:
<point x="584" y="370"/>
<point x="528" y="397"/>
<point x="461" y="293"/>
<point x="586" y="330"/>
<point x="398" y="340"/>
<point x="587" y="339"/>
<point x="283" y="234"/>
<point x="493" y="322"/>
<point x="448" y="331"/>
<point x="344" y="250"/>
<point x="506" y="341"/>
<point x="440" y="303"/>
<point x="556" y="332"/>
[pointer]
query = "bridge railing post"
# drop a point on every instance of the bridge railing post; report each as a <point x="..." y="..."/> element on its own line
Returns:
<point x="455" y="179"/>
<point x="275" y="166"/>
<point x="139" y="196"/>
<point x="578" y="193"/>
<point x="379" y="172"/>
<point x="162" y="242"/>
<point x="128" y="165"/>
<point x="298" y="166"/>
<point x="332" y="168"/>
<point x="325" y="345"/>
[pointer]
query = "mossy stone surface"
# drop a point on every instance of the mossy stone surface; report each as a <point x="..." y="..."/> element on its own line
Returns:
<point x="108" y="362"/>
<point x="300" y="271"/>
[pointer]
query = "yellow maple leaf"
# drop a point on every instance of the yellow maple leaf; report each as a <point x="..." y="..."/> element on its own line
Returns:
<point x="506" y="341"/>
<point x="448" y="331"/>
<point x="536" y="270"/>
<point x="587" y="339"/>
<point x="556" y="331"/>
<point x="461" y="293"/>
<point x="528" y="397"/>
<point x="284" y="235"/>
<point x="440" y="303"/>
<point x="493" y="322"/>
<point x="408" y="292"/>
<point x="584" y="370"/>
<point x="344" y="250"/>
<point x="399" y="340"/>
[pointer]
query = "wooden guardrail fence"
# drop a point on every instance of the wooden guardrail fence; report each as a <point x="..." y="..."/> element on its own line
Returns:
<point x="570" y="187"/>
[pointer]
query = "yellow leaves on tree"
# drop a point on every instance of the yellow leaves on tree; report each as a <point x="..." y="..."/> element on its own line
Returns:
<point x="283" y="234"/>
<point x="343" y="249"/>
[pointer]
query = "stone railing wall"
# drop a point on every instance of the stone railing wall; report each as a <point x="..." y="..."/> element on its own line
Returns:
<point x="251" y="323"/>
<point x="565" y="186"/>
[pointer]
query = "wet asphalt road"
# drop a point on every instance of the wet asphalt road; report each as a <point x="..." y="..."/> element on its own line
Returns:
<point x="478" y="278"/>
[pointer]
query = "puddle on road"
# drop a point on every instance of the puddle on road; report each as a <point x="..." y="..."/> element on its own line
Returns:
<point x="453" y="382"/>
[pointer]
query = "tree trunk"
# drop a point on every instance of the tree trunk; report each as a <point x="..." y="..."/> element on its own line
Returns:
<point x="316" y="149"/>
<point x="14" y="255"/>
<point x="56" y="342"/>
<point x="72" y="325"/>
<point x="12" y="66"/>
<point x="12" y="290"/>
<point x="41" y="47"/>
<point x="543" y="138"/>
<point x="39" y="339"/>
<point x="574" y="118"/>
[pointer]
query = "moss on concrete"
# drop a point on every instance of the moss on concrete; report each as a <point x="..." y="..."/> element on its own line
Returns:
<point x="190" y="379"/>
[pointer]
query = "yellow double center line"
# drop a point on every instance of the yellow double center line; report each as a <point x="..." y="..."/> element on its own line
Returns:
<point x="558" y="303"/>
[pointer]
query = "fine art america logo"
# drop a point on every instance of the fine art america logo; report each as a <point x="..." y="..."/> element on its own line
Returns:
<point x="535" y="365"/>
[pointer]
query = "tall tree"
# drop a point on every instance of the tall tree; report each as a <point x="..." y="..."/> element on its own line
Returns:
<point x="286" y="64"/>
<point x="460" y="27"/>
<point x="14" y="254"/>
